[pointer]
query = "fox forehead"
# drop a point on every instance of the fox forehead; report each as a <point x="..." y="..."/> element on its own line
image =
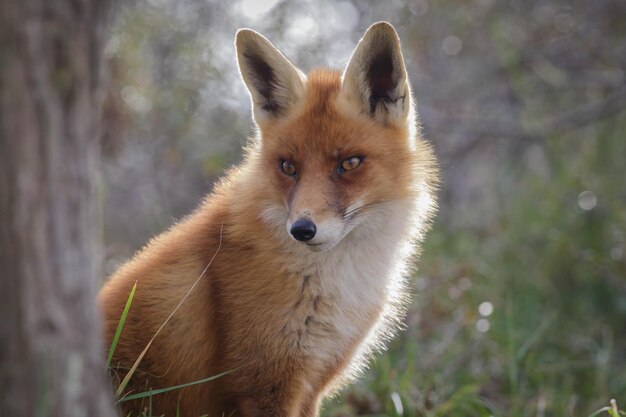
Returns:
<point x="319" y="127"/>
<point x="314" y="126"/>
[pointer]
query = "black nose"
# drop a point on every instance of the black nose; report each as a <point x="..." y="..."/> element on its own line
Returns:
<point x="303" y="230"/>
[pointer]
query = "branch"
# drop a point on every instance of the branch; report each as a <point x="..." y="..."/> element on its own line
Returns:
<point x="482" y="129"/>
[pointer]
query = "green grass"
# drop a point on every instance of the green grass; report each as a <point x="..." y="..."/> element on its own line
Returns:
<point x="120" y="326"/>
<point x="150" y="393"/>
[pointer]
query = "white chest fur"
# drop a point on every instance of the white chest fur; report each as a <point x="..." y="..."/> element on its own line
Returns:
<point x="348" y="293"/>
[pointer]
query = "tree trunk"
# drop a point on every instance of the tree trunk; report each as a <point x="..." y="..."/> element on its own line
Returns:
<point x="51" y="359"/>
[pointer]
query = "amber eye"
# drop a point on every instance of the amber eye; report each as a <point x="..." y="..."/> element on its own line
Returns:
<point x="288" y="168"/>
<point x="350" y="163"/>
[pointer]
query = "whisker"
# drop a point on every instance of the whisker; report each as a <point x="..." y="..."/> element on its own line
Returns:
<point x="352" y="214"/>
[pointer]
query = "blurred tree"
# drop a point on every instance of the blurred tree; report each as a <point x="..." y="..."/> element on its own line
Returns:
<point x="50" y="89"/>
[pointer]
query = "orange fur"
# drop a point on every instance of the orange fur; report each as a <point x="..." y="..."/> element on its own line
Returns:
<point x="293" y="324"/>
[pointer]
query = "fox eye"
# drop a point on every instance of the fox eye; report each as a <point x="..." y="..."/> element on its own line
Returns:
<point x="349" y="164"/>
<point x="288" y="168"/>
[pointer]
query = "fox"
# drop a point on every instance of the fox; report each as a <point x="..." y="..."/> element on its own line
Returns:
<point x="293" y="271"/>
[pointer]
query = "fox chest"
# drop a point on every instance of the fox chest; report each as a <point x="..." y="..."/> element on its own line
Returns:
<point x="331" y="312"/>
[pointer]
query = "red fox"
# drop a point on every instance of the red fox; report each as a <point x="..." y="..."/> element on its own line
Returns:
<point x="302" y="250"/>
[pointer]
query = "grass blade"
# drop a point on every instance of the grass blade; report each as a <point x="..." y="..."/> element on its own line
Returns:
<point x="168" y="389"/>
<point x="600" y="411"/>
<point x="612" y="410"/>
<point x="130" y="373"/>
<point x="120" y="325"/>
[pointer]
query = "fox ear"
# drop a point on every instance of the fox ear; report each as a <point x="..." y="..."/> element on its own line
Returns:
<point x="375" y="80"/>
<point x="274" y="83"/>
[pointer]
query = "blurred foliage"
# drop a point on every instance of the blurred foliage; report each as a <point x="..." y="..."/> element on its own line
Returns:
<point x="520" y="300"/>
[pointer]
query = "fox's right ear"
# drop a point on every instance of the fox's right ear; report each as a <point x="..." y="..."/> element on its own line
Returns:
<point x="274" y="83"/>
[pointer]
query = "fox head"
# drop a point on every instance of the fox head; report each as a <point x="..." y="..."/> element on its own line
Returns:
<point x="335" y="151"/>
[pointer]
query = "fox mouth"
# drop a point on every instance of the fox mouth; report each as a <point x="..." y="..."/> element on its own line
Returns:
<point x="320" y="247"/>
<point x="328" y="243"/>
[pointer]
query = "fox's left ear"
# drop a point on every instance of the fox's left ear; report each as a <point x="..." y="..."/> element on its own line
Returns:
<point x="375" y="80"/>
